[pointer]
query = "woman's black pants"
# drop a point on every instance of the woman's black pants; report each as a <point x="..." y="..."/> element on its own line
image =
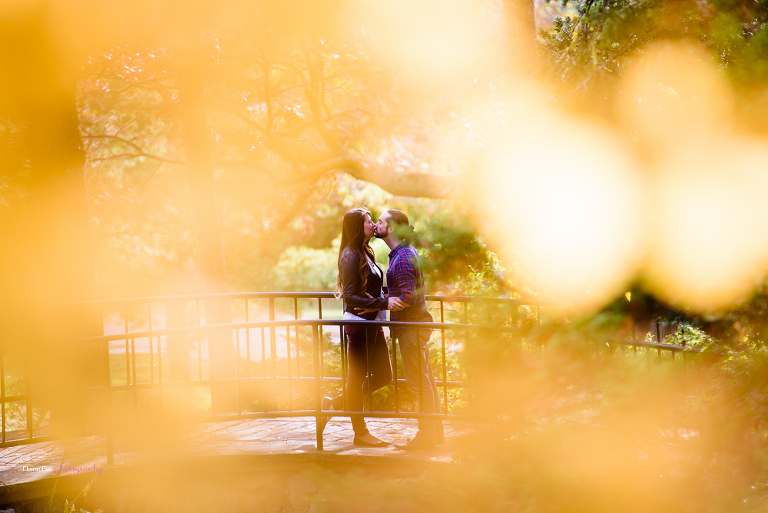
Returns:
<point x="368" y="368"/>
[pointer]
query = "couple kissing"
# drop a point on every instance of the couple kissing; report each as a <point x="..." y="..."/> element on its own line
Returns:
<point x="360" y="284"/>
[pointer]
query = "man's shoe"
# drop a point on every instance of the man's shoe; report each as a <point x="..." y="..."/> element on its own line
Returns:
<point x="368" y="442"/>
<point x="419" y="442"/>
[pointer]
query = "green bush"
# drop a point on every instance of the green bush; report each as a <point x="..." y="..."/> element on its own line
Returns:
<point x="306" y="269"/>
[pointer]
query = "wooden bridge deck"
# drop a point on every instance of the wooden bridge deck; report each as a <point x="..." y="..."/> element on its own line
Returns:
<point x="33" y="462"/>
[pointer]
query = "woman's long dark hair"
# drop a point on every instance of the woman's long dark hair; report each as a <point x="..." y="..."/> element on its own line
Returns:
<point x="353" y="237"/>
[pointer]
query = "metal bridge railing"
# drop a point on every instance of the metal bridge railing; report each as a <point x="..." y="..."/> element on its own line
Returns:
<point x="265" y="360"/>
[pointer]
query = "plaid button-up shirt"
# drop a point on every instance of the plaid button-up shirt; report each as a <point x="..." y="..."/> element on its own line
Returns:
<point x="406" y="281"/>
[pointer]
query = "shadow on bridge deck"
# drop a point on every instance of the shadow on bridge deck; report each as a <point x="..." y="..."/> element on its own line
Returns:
<point x="29" y="471"/>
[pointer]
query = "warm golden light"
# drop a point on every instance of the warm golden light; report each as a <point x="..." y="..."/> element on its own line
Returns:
<point x="708" y="248"/>
<point x="706" y="213"/>
<point x="674" y="92"/>
<point x="432" y="40"/>
<point x="156" y="148"/>
<point x="578" y="217"/>
<point x="568" y="213"/>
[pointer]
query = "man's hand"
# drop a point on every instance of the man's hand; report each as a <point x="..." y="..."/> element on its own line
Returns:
<point x="394" y="304"/>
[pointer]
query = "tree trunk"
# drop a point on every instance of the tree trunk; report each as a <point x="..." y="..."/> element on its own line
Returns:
<point x="47" y="261"/>
<point x="210" y="255"/>
<point x="200" y="172"/>
<point x="521" y="35"/>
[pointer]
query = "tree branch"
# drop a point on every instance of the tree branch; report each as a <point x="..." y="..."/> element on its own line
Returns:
<point x="136" y="155"/>
<point x="138" y="151"/>
<point x="267" y="98"/>
<point x="272" y="142"/>
<point x="249" y="165"/>
<point x="314" y="94"/>
<point x="399" y="183"/>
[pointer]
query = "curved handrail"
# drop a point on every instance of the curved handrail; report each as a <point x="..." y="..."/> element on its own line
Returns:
<point x="309" y="295"/>
<point x="291" y="323"/>
<point x="154" y="334"/>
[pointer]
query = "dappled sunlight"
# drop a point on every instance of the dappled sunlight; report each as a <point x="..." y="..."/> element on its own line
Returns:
<point x="579" y="219"/>
<point x="604" y="211"/>
<point x="705" y="207"/>
<point x="434" y="42"/>
<point x="599" y="428"/>
<point x="673" y="94"/>
<point x="708" y="250"/>
<point x="568" y="217"/>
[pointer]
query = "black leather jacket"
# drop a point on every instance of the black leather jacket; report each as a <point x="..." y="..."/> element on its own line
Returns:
<point x="352" y="286"/>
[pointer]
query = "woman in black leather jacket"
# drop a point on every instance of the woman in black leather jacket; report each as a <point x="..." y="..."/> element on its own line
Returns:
<point x="360" y="284"/>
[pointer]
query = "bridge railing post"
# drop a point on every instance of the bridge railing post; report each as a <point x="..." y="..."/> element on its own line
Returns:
<point x="318" y="387"/>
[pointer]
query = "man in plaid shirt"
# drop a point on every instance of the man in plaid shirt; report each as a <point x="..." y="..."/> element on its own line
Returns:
<point x="406" y="281"/>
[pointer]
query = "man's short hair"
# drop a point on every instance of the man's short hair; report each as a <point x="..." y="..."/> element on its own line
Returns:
<point x="403" y="229"/>
<point x="398" y="217"/>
